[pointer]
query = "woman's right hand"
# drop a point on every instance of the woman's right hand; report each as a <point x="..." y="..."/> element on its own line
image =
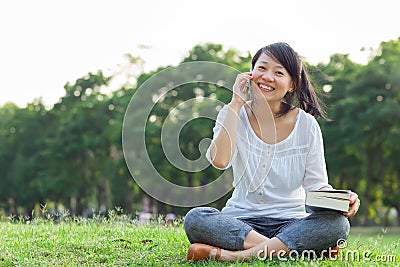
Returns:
<point x="239" y="96"/>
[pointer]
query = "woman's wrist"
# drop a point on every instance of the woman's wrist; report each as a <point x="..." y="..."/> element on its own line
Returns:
<point x="235" y="105"/>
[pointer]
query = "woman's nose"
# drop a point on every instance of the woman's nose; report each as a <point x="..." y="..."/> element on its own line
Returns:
<point x="268" y="76"/>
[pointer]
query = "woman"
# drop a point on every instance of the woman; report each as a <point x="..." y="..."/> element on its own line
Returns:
<point x="274" y="145"/>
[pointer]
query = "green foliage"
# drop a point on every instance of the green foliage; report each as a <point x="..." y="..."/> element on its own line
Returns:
<point x="362" y="141"/>
<point x="71" y="155"/>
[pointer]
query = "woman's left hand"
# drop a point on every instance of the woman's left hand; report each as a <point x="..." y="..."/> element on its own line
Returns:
<point x="354" y="205"/>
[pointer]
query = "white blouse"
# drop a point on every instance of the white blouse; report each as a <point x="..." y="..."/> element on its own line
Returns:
<point x="270" y="180"/>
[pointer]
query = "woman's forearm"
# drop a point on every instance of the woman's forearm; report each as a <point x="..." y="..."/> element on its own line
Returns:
<point x="223" y="146"/>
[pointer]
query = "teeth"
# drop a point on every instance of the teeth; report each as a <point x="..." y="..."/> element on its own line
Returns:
<point x="266" y="87"/>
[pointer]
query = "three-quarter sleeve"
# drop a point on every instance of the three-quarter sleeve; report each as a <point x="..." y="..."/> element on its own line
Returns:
<point x="217" y="128"/>
<point x="315" y="175"/>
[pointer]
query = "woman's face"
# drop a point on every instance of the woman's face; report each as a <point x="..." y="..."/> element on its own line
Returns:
<point x="270" y="79"/>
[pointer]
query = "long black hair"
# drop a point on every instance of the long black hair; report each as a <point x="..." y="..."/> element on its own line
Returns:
<point x="304" y="95"/>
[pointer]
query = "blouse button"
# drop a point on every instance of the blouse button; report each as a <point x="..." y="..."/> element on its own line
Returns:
<point x="261" y="197"/>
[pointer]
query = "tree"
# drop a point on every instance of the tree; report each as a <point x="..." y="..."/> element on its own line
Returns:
<point x="360" y="142"/>
<point x="78" y="150"/>
<point x="72" y="154"/>
<point x="22" y="155"/>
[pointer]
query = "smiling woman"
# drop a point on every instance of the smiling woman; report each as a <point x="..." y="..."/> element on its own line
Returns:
<point x="274" y="145"/>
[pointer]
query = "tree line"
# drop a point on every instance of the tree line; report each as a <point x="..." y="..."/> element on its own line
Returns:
<point x="71" y="155"/>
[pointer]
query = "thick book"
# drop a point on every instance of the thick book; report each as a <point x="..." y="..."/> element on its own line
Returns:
<point x="317" y="200"/>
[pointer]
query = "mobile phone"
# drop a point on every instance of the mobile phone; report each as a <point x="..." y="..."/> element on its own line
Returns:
<point x="246" y="87"/>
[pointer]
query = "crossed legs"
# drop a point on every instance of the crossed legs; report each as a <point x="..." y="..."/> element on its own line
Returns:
<point x="237" y="240"/>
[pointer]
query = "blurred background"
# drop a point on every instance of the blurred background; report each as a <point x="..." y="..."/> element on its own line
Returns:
<point x="70" y="69"/>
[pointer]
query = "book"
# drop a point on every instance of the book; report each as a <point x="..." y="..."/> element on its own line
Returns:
<point x="317" y="200"/>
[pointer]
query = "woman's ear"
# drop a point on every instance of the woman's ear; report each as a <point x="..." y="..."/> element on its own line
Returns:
<point x="291" y="89"/>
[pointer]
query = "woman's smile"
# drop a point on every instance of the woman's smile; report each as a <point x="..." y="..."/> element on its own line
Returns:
<point x="265" y="88"/>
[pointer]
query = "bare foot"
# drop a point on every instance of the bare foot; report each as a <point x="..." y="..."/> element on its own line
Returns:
<point x="213" y="253"/>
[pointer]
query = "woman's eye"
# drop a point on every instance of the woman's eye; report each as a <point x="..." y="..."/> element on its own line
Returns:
<point x="261" y="67"/>
<point x="279" y="73"/>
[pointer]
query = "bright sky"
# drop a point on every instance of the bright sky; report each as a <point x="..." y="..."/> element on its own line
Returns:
<point x="46" y="43"/>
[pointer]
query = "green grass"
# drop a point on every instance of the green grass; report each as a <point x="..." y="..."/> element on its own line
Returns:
<point x="121" y="242"/>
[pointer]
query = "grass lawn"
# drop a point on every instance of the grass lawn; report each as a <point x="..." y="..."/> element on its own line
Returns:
<point x="120" y="242"/>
